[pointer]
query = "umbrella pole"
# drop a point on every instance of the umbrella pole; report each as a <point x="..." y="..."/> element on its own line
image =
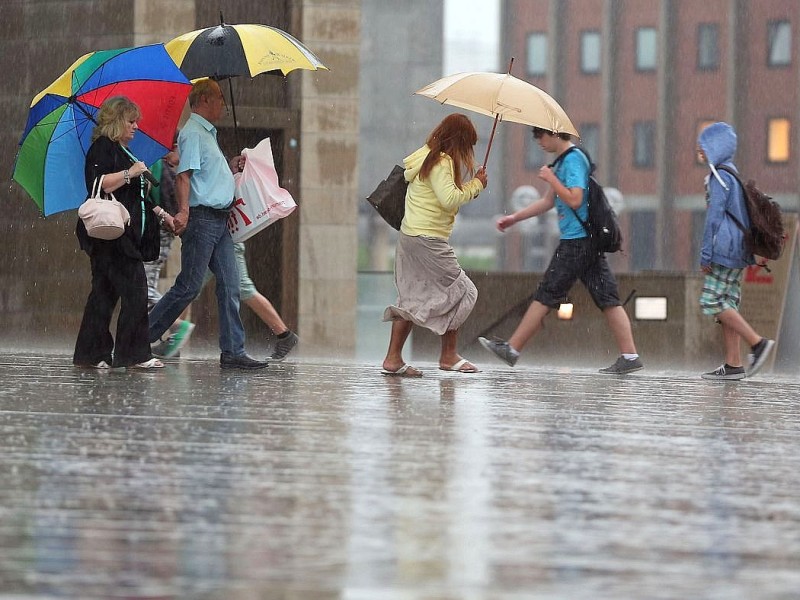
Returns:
<point x="233" y="111"/>
<point x="491" y="138"/>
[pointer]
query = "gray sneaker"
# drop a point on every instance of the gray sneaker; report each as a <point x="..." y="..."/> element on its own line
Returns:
<point x="623" y="366"/>
<point x="284" y="346"/>
<point x="759" y="356"/>
<point x="725" y="373"/>
<point x="501" y="350"/>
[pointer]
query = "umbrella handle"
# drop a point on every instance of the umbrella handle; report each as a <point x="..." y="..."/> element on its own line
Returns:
<point x="491" y="139"/>
<point x="233" y="111"/>
<point x="494" y="127"/>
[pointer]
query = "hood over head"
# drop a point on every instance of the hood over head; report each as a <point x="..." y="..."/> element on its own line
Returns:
<point x="413" y="162"/>
<point x="718" y="143"/>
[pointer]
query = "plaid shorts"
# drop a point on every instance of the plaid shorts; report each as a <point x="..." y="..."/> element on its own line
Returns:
<point x="571" y="261"/>
<point x="722" y="290"/>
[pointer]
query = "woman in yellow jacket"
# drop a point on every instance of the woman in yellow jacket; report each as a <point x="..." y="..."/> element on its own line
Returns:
<point x="433" y="290"/>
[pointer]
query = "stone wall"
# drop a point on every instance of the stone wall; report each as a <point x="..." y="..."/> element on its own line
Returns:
<point x="329" y="178"/>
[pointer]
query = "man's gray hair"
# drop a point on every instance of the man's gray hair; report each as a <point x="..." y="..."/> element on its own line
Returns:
<point x="201" y="89"/>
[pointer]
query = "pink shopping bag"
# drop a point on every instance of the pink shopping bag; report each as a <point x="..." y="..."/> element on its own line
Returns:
<point x="260" y="200"/>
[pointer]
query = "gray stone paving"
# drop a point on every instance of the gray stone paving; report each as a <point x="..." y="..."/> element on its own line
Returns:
<point x="316" y="480"/>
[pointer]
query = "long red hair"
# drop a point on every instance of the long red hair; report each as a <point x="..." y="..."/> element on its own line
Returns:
<point x="456" y="137"/>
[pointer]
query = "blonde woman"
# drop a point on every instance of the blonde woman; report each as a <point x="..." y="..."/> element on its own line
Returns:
<point x="118" y="265"/>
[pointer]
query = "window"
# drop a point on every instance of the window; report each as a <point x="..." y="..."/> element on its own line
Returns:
<point x="590" y="139"/>
<point x="778" y="136"/>
<point x="642" y="242"/>
<point x="644" y="144"/>
<point x="646" y="49"/>
<point x="590" y="52"/>
<point x="708" y="46"/>
<point x="537" y="54"/>
<point x="535" y="157"/>
<point x="780" y="44"/>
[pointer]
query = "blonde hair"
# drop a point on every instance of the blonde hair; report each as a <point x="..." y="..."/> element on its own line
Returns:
<point x="113" y="117"/>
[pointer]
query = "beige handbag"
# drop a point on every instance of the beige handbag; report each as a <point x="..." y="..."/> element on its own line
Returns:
<point x="104" y="218"/>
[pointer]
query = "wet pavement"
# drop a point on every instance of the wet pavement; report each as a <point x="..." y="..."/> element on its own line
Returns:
<point x="325" y="480"/>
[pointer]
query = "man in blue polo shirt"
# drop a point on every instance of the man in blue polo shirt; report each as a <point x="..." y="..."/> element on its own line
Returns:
<point x="204" y="189"/>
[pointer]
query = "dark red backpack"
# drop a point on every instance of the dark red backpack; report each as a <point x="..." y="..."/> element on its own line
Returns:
<point x="765" y="236"/>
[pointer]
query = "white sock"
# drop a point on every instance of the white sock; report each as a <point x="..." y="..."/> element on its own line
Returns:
<point x="630" y="356"/>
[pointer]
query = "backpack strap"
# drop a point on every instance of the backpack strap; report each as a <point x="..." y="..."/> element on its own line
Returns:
<point x="559" y="159"/>
<point x="733" y="217"/>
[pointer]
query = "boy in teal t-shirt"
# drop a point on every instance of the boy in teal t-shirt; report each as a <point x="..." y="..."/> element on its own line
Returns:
<point x="568" y="180"/>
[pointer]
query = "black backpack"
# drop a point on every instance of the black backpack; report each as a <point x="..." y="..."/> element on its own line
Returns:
<point x="602" y="225"/>
<point x="765" y="236"/>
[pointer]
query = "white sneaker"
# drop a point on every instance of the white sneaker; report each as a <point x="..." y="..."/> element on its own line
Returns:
<point x="153" y="363"/>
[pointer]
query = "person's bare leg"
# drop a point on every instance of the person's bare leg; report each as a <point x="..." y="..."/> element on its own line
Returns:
<point x="394" y="355"/>
<point x="529" y="326"/>
<point x="732" y="344"/>
<point x="266" y="312"/>
<point x="450" y="356"/>
<point x="732" y="319"/>
<point x="620" y="326"/>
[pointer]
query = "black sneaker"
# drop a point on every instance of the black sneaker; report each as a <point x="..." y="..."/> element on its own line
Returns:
<point x="243" y="361"/>
<point x="623" y="366"/>
<point x="501" y="350"/>
<point x="759" y="356"/>
<point x="284" y="346"/>
<point x="725" y="373"/>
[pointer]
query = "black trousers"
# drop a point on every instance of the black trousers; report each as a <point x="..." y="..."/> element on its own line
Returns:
<point x="115" y="278"/>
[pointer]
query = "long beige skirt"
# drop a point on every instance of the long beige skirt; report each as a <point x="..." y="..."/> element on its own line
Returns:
<point x="433" y="290"/>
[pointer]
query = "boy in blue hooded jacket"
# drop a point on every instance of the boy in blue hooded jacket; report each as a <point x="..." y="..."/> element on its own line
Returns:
<point x="724" y="256"/>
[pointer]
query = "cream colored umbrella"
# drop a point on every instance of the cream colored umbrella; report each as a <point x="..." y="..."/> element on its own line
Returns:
<point x="502" y="96"/>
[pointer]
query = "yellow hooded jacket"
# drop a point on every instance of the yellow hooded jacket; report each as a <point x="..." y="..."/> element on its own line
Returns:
<point x="432" y="204"/>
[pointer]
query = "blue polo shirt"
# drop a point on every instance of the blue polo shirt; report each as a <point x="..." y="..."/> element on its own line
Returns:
<point x="211" y="181"/>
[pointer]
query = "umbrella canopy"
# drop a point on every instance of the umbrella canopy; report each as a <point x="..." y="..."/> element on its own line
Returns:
<point x="231" y="50"/>
<point x="226" y="51"/>
<point x="50" y="160"/>
<point x="502" y="96"/>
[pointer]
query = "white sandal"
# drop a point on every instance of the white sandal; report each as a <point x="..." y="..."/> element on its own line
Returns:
<point x="153" y="363"/>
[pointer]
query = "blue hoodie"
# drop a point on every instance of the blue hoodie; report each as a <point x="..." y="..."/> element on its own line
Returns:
<point x="723" y="241"/>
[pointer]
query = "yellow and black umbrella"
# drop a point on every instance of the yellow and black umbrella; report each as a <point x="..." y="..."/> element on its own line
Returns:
<point x="226" y="51"/>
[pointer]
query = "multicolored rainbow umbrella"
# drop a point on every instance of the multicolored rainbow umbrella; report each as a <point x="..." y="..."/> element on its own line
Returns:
<point x="50" y="160"/>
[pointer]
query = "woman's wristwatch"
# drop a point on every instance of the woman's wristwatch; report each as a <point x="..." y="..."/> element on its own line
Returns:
<point x="126" y="176"/>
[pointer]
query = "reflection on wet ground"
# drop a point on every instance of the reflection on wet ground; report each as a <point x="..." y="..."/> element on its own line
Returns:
<point x="322" y="481"/>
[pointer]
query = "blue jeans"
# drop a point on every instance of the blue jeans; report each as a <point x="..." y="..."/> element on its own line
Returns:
<point x="206" y="244"/>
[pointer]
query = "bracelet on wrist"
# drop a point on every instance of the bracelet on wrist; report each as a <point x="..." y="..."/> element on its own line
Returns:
<point x="126" y="176"/>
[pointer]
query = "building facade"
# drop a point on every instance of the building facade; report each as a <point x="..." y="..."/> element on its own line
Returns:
<point x="640" y="80"/>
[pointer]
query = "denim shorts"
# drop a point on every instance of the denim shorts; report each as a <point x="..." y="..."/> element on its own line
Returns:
<point x="573" y="260"/>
